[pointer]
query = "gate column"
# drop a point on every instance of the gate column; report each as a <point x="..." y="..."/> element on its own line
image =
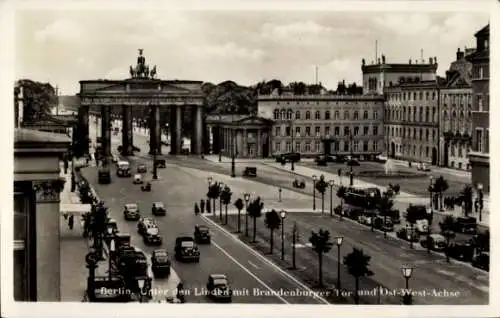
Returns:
<point x="106" y="132"/>
<point x="198" y="131"/>
<point x="127" y="131"/>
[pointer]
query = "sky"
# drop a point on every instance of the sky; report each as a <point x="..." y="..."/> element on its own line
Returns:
<point x="65" y="46"/>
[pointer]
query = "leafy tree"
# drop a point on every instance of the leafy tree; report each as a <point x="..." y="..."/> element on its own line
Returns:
<point x="357" y="265"/>
<point x="239" y="206"/>
<point x="38" y="99"/>
<point x="412" y="215"/>
<point x="321" y="244"/>
<point x="321" y="186"/>
<point x="466" y="197"/>
<point x="440" y="186"/>
<point x="341" y="192"/>
<point x="273" y="222"/>
<point x="226" y="199"/>
<point x="254" y="210"/>
<point x="214" y="192"/>
<point x="298" y="88"/>
<point x="447" y="226"/>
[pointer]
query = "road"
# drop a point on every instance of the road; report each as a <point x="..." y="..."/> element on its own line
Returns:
<point x="251" y="276"/>
<point x="431" y="273"/>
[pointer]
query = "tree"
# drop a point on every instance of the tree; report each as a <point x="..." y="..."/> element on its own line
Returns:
<point x="412" y="215"/>
<point x="226" y="199"/>
<point x="273" y="222"/>
<point x="440" y="186"/>
<point x="357" y="265"/>
<point x="239" y="206"/>
<point x="214" y="193"/>
<point x="38" y="99"/>
<point x="466" y="197"/>
<point x="321" y="244"/>
<point x="447" y="226"/>
<point x="254" y="210"/>
<point x="385" y="205"/>
<point x="321" y="186"/>
<point x="341" y="192"/>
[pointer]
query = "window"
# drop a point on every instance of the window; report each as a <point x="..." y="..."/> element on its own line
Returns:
<point x="276" y="114"/>
<point x="487" y="140"/>
<point x="433" y="135"/>
<point x="420" y="96"/>
<point x="427" y="135"/>
<point x="317" y="146"/>
<point x="421" y="134"/>
<point x="336" y="115"/>
<point x="427" y="114"/>
<point x="308" y="115"/>
<point x="375" y="145"/>
<point x="337" y="131"/>
<point x="288" y="131"/>
<point x="460" y="151"/>
<point x="414" y="133"/>
<point x="297" y="114"/>
<point x="433" y="95"/>
<point x="375" y="130"/>
<point x="327" y="115"/>
<point x="346" y="115"/>
<point x="346" y="146"/>
<point x="479" y="139"/>
<point x="317" y="131"/>
<point x="415" y="113"/>
<point x="421" y="114"/>
<point x="479" y="102"/>
<point x="392" y="131"/>
<point x="346" y="131"/>
<point x="480" y="72"/>
<point x="289" y="114"/>
<point x="365" y="114"/>
<point x="427" y="151"/>
<point x="452" y="150"/>
<point x="365" y="130"/>
<point x="336" y="145"/>
<point x="308" y="131"/>
<point x="327" y="131"/>
<point x="427" y="96"/>
<point x="297" y="131"/>
<point x="307" y="147"/>
<point x="283" y="114"/>
<point x="297" y="146"/>
<point x="317" y="115"/>
<point x="355" y="146"/>
<point x="356" y="115"/>
<point x="365" y="146"/>
<point x="375" y="115"/>
<point x="288" y="146"/>
<point x="356" y="131"/>
<point x="414" y="95"/>
<point x="277" y="146"/>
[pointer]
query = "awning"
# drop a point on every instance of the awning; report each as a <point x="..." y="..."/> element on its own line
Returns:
<point x="76" y="209"/>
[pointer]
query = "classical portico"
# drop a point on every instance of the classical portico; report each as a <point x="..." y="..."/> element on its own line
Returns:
<point x="241" y="135"/>
<point x="142" y="90"/>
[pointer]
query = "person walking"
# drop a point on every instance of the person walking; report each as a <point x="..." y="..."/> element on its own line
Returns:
<point x="71" y="221"/>
<point x="196" y="208"/>
<point x="202" y="206"/>
<point x="180" y="292"/>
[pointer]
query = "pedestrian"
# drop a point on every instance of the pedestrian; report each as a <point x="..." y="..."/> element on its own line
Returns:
<point x="71" y="221"/>
<point x="209" y="207"/>
<point x="196" y="208"/>
<point x="202" y="206"/>
<point x="180" y="292"/>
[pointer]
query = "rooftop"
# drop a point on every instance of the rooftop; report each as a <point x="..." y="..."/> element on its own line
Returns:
<point x="22" y="136"/>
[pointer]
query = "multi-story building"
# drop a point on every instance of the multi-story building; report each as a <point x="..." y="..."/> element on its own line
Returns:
<point x="455" y="123"/>
<point x="479" y="155"/>
<point x="352" y="124"/>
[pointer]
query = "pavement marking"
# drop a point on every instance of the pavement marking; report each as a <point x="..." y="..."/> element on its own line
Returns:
<point x="276" y="267"/>
<point x="299" y="245"/>
<point x="254" y="265"/>
<point x="248" y="271"/>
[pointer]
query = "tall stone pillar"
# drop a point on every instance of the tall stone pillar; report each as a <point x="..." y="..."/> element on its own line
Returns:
<point x="244" y="138"/>
<point x="152" y="129"/>
<point x="126" y="131"/>
<point x="173" y="130"/>
<point x="106" y="131"/>
<point x="259" y="144"/>
<point x="83" y="131"/>
<point x="178" y="128"/>
<point x="156" y="114"/>
<point x="198" y="131"/>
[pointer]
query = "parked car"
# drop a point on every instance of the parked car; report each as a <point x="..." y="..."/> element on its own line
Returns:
<point x="465" y="225"/>
<point x="366" y="218"/>
<point x="288" y="157"/>
<point x="423" y="167"/>
<point x="422" y="226"/>
<point x="104" y="175"/>
<point x="115" y="159"/>
<point x="202" y="234"/>
<point x="321" y="160"/>
<point x="379" y="224"/>
<point x="131" y="212"/>
<point x="482" y="260"/>
<point x="299" y="183"/>
<point x="353" y="212"/>
<point x="144" y="224"/>
<point x="142" y="168"/>
<point x="462" y="250"/>
<point x="138" y="179"/>
<point x="250" y="172"/>
<point x="218" y="287"/>
<point x="160" y="263"/>
<point x="435" y="242"/>
<point x="353" y="162"/>
<point x="186" y="249"/>
<point x="407" y="235"/>
<point x="158" y="208"/>
<point x="152" y="236"/>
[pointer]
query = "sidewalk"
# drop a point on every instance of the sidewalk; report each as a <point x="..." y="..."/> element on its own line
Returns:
<point x="455" y="172"/>
<point x="224" y="159"/>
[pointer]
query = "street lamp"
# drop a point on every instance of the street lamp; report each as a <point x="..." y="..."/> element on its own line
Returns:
<point x="283" y="216"/>
<point x="372" y="217"/>
<point x="295" y="237"/>
<point x="221" y="188"/>
<point x="246" y="196"/>
<point x="339" y="241"/>
<point x="140" y="282"/>
<point x="111" y="251"/>
<point x="314" y="192"/>
<point x="279" y="194"/>
<point x="293" y="152"/>
<point x="431" y="189"/>
<point x="429" y="216"/>
<point x="331" y="183"/>
<point x="406" y="271"/>
<point x="480" y="193"/>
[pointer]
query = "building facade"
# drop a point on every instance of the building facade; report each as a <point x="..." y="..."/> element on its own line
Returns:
<point x="353" y="123"/>
<point x="479" y="155"/>
<point x="411" y="121"/>
<point x="455" y="120"/>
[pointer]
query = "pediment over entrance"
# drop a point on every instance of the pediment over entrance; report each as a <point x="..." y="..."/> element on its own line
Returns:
<point x="255" y="120"/>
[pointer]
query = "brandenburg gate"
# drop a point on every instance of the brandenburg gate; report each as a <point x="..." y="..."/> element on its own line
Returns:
<point x="141" y="90"/>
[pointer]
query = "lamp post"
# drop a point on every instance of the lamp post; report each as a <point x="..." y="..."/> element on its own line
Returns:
<point x="111" y="251"/>
<point x="372" y="217"/>
<point x="314" y="192"/>
<point x="480" y="194"/>
<point x="209" y="179"/>
<point x="331" y="183"/>
<point x="247" y="198"/>
<point x="431" y="189"/>
<point x="293" y="152"/>
<point x="279" y="194"/>
<point x="351" y="180"/>
<point x="140" y="282"/>
<point x="407" y="271"/>
<point x="221" y="188"/>
<point x="429" y="214"/>
<point x="295" y="237"/>
<point x="339" y="240"/>
<point x="283" y="216"/>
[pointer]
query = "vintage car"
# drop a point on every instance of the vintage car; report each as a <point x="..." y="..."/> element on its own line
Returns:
<point x="387" y="226"/>
<point x="407" y="235"/>
<point x="465" y="225"/>
<point x="250" y="172"/>
<point x="288" y="157"/>
<point x="123" y="169"/>
<point x="366" y="218"/>
<point x="462" y="250"/>
<point x="352" y="162"/>
<point x="218" y="287"/>
<point x="435" y="242"/>
<point x="321" y="160"/>
<point x="482" y="261"/>
<point x="152" y="236"/>
<point x="161" y="162"/>
<point x="158" y="208"/>
<point x="186" y="249"/>
<point x="131" y="212"/>
<point x="299" y="183"/>
<point x="160" y="263"/>
<point x="104" y="175"/>
<point x="202" y="234"/>
<point x="144" y="224"/>
<point x="111" y="224"/>
<point x="138" y="179"/>
<point x="142" y="168"/>
<point x="423" y="167"/>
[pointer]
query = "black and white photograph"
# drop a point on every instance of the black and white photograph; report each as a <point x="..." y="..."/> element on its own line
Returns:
<point x="248" y="158"/>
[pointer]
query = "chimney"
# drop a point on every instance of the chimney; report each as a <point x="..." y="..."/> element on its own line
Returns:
<point x="460" y="55"/>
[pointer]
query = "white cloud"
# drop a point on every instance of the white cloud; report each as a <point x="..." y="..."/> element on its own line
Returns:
<point x="229" y="50"/>
<point x="405" y="24"/>
<point x="309" y="31"/>
<point x="62" y="30"/>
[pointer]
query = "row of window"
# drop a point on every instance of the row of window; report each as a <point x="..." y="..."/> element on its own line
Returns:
<point x="297" y="131"/>
<point x="412" y="96"/>
<point x="457" y="98"/>
<point x="459" y="150"/>
<point x="316" y="147"/>
<point x="412" y="114"/>
<point x="482" y="140"/>
<point x="414" y="133"/>
<point x="414" y="150"/>
<point x="284" y="114"/>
